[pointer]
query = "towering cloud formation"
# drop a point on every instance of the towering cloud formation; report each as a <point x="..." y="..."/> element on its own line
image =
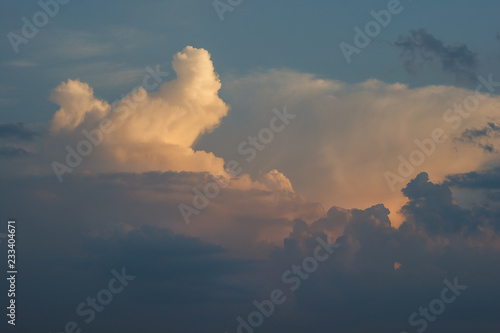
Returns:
<point x="351" y="145"/>
<point x="348" y="140"/>
<point x="147" y="130"/>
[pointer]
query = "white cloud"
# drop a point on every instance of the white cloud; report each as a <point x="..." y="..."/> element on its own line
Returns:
<point x="150" y="131"/>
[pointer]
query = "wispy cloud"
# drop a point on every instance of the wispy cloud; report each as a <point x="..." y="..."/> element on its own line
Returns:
<point x="8" y="151"/>
<point x="16" y="131"/>
<point x="20" y="63"/>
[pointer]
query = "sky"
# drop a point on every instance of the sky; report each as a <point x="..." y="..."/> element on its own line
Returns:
<point x="250" y="166"/>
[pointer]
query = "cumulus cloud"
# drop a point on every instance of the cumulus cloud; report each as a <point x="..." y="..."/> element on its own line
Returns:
<point x="355" y="133"/>
<point x="277" y="180"/>
<point x="421" y="50"/>
<point x="131" y="220"/>
<point x="147" y="130"/>
<point x="347" y="136"/>
<point x="78" y="104"/>
<point x="433" y="244"/>
<point x="432" y="207"/>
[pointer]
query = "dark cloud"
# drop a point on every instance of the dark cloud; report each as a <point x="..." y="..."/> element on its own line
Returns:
<point x="486" y="206"/>
<point x="72" y="239"/>
<point x="431" y="206"/>
<point x="479" y="137"/>
<point x="176" y="275"/>
<point x="17" y="132"/>
<point x="11" y="152"/>
<point x="421" y="50"/>
<point x="358" y="288"/>
<point x="476" y="180"/>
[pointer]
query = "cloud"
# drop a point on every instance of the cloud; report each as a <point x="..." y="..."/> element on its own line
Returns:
<point x="421" y="49"/>
<point x="479" y="137"/>
<point x="78" y="104"/>
<point x="187" y="257"/>
<point x="20" y="63"/>
<point x="429" y="247"/>
<point x="431" y="206"/>
<point x="354" y="133"/>
<point x="277" y="180"/>
<point x="132" y="220"/>
<point x="102" y="74"/>
<point x="79" y="45"/>
<point x="238" y="218"/>
<point x="149" y="130"/>
<point x="346" y="136"/>
<point x="16" y="131"/>
<point x="487" y="179"/>
<point x="216" y="269"/>
<point x="479" y="190"/>
<point x="11" y="152"/>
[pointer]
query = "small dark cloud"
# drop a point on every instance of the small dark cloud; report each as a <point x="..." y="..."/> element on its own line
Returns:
<point x="498" y="36"/>
<point x="16" y="131"/>
<point x="480" y="137"/>
<point x="422" y="50"/>
<point x="431" y="207"/>
<point x="476" y="180"/>
<point x="11" y="152"/>
<point x="488" y="183"/>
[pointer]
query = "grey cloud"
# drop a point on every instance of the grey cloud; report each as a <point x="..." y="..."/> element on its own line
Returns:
<point x="488" y="183"/>
<point x="479" y="137"/>
<point x="421" y="49"/>
<point x="489" y="179"/>
<point x="7" y="151"/>
<point x="351" y="284"/>
<point x="16" y="131"/>
<point x="431" y="206"/>
<point x="72" y="239"/>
